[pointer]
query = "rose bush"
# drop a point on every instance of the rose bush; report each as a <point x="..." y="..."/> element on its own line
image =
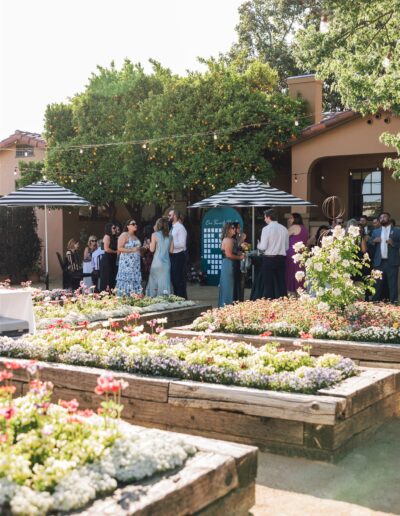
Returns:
<point x="335" y="272"/>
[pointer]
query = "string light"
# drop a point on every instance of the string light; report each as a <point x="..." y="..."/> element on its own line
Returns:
<point x="81" y="150"/>
<point x="215" y="136"/>
<point x="144" y="146"/>
<point x="296" y="123"/>
<point x="295" y="178"/>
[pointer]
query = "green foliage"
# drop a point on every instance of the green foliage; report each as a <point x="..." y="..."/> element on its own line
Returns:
<point x="361" y="53"/>
<point x="20" y="250"/>
<point x="31" y="172"/>
<point x="129" y="105"/>
<point x="266" y="29"/>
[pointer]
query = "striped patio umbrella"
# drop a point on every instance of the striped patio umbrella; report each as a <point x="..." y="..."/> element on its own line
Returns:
<point x="46" y="194"/>
<point x="251" y="194"/>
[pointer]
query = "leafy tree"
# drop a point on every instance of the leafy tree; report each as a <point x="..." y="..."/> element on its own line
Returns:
<point x="235" y="124"/>
<point x="20" y="249"/>
<point x="267" y="27"/>
<point x="31" y="172"/>
<point x="361" y="52"/>
<point x="176" y="121"/>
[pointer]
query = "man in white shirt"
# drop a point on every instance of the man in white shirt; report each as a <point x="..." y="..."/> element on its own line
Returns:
<point x="178" y="254"/>
<point x="274" y="243"/>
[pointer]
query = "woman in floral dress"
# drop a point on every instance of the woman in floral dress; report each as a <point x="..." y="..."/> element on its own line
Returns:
<point x="129" y="278"/>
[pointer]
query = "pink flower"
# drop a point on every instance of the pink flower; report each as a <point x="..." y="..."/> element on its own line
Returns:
<point x="71" y="406"/>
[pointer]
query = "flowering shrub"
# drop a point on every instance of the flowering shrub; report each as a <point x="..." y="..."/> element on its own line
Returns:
<point x="50" y="306"/>
<point x="202" y="359"/>
<point x="59" y="458"/>
<point x="334" y="272"/>
<point x="368" y="322"/>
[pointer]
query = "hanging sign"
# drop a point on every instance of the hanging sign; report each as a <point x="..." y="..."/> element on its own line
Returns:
<point x="211" y="228"/>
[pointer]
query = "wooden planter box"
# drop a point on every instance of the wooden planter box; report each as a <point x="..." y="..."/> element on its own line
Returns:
<point x="175" y="317"/>
<point x="319" y="426"/>
<point x="365" y="354"/>
<point x="220" y="479"/>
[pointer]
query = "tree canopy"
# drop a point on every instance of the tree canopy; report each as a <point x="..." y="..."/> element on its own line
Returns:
<point x="133" y="137"/>
<point x="361" y="53"/>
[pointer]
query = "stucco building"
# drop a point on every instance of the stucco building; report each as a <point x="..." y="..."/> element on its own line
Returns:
<point x="340" y="154"/>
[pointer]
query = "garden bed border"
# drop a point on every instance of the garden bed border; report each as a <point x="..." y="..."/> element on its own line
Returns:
<point x="319" y="426"/>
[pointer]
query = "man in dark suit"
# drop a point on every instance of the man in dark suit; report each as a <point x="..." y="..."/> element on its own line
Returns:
<point x="385" y="244"/>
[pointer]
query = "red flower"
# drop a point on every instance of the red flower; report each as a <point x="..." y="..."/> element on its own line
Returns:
<point x="5" y="375"/>
<point x="266" y="334"/>
<point x="8" y="412"/>
<point x="13" y="365"/>
<point x="132" y="317"/>
<point x="304" y="335"/>
<point x="3" y="438"/>
<point x="71" y="406"/>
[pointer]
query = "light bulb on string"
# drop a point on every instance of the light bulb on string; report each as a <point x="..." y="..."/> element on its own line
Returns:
<point x="295" y="178"/>
<point x="215" y="136"/>
<point x="296" y="123"/>
<point x="15" y="171"/>
<point x="81" y="150"/>
<point x="144" y="146"/>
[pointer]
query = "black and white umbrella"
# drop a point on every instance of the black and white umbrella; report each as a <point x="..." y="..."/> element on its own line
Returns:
<point x="251" y="194"/>
<point x="46" y="194"/>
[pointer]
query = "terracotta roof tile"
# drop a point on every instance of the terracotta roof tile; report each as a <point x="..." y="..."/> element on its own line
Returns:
<point x="331" y="121"/>
<point x="23" y="138"/>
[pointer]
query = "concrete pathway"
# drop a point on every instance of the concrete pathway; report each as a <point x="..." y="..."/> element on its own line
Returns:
<point x="365" y="482"/>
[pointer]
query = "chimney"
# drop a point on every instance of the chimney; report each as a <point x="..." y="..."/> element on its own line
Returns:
<point x="309" y="89"/>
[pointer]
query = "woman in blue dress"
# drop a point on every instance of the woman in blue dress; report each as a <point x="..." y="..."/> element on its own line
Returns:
<point x="129" y="278"/>
<point x="227" y="278"/>
<point x="160" y="276"/>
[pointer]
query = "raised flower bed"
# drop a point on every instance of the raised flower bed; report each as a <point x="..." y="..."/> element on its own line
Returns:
<point x="285" y="402"/>
<point x="60" y="458"/>
<point x="365" y="332"/>
<point x="53" y="307"/>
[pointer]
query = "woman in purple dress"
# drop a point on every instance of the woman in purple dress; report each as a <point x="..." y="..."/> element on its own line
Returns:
<point x="297" y="233"/>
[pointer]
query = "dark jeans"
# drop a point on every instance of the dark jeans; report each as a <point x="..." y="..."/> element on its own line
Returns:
<point x="273" y="274"/>
<point x="178" y="273"/>
<point x="390" y="274"/>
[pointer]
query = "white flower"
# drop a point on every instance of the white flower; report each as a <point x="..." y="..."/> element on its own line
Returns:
<point x="375" y="274"/>
<point x="138" y="329"/>
<point x="298" y="246"/>
<point x="299" y="275"/>
<point x="105" y="324"/>
<point x="354" y="231"/>
<point x="324" y="307"/>
<point x="162" y="320"/>
<point x="318" y="267"/>
<point x="296" y="258"/>
<point x="327" y="240"/>
<point x="337" y="292"/>
<point x="316" y="250"/>
<point x="346" y="263"/>
<point x="339" y="232"/>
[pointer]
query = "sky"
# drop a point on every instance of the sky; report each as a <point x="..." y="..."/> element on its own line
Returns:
<point x="49" y="48"/>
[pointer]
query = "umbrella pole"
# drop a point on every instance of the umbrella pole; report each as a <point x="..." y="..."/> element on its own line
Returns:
<point x="253" y="239"/>
<point x="46" y="248"/>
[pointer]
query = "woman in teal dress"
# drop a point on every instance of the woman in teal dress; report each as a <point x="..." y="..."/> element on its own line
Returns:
<point x="129" y="277"/>
<point x="160" y="272"/>
<point x="227" y="278"/>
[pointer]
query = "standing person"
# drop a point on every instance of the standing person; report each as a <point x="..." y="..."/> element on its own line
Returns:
<point x="363" y="221"/>
<point x="178" y="255"/>
<point x="274" y="244"/>
<point x="147" y="255"/>
<point x="118" y="231"/>
<point x="227" y="278"/>
<point x="238" y="240"/>
<point x="97" y="255"/>
<point x="297" y="233"/>
<point x="108" y="268"/>
<point x="73" y="264"/>
<point x="160" y="272"/>
<point x="129" y="278"/>
<point x="385" y="245"/>
<point x="87" y="261"/>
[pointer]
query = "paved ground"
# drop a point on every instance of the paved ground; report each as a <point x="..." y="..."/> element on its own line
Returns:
<point x="366" y="482"/>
